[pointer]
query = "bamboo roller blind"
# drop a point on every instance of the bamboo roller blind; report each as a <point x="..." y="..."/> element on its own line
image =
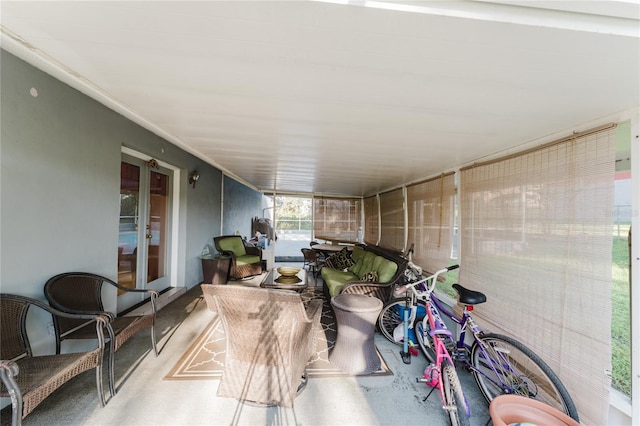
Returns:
<point x="536" y="237"/>
<point x="337" y="219"/>
<point x="430" y="207"/>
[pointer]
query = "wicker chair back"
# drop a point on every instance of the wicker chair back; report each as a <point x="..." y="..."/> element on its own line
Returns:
<point x="74" y="292"/>
<point x="270" y="338"/>
<point x="14" y="340"/>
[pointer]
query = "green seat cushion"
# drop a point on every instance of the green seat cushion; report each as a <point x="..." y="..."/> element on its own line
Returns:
<point x="357" y="253"/>
<point x="335" y="279"/>
<point x="386" y="270"/>
<point x="364" y="265"/>
<point x="247" y="259"/>
<point x="233" y="244"/>
<point x="369" y="261"/>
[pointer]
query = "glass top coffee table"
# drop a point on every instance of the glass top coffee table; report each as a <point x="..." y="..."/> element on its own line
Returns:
<point x="292" y="280"/>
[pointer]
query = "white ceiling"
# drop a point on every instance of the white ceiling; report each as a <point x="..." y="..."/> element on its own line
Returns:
<point x="341" y="99"/>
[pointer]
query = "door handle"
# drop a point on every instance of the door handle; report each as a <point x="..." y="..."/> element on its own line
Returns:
<point x="148" y="236"/>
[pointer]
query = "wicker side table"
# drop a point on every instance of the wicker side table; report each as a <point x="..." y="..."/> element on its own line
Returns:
<point x="355" y="352"/>
<point x="215" y="270"/>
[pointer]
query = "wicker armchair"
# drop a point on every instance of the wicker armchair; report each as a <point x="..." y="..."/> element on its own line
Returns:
<point x="29" y="379"/>
<point x="270" y="339"/>
<point x="246" y="260"/>
<point x="81" y="292"/>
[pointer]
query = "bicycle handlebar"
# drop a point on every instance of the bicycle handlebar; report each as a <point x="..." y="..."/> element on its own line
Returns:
<point x="434" y="278"/>
<point x="414" y="267"/>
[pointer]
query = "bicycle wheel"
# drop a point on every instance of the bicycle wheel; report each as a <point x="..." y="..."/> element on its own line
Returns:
<point x="455" y="402"/>
<point x="504" y="365"/>
<point x="425" y="341"/>
<point x="391" y="316"/>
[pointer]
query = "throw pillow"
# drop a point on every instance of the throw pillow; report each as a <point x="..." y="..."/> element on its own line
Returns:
<point x="342" y="259"/>
<point x="329" y="263"/>
<point x="371" y="276"/>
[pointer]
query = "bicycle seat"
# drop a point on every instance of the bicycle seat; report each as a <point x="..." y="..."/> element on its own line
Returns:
<point x="469" y="297"/>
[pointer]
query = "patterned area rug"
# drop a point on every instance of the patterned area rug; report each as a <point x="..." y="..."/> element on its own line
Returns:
<point x="204" y="360"/>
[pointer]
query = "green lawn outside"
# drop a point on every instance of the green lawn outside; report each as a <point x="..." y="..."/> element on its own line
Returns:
<point x="621" y="315"/>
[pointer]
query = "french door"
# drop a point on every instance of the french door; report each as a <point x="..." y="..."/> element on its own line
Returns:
<point x="144" y="229"/>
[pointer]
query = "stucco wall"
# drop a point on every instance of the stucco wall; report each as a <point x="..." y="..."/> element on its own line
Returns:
<point x="240" y="205"/>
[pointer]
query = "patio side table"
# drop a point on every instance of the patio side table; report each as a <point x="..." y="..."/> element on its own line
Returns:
<point x="215" y="270"/>
<point x="355" y="351"/>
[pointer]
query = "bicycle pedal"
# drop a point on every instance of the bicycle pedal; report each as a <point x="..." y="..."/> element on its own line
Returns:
<point x="461" y="355"/>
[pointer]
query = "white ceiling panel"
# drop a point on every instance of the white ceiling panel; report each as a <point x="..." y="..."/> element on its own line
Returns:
<point x="341" y="99"/>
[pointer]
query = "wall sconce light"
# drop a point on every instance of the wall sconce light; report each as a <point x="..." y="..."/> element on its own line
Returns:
<point x="193" y="178"/>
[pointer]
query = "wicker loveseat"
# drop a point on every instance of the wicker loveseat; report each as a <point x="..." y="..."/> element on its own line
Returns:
<point x="369" y="270"/>
<point x="28" y="379"/>
<point x="246" y="260"/>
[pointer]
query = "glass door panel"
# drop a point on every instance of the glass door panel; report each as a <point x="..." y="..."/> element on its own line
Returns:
<point x="128" y="227"/>
<point x="157" y="226"/>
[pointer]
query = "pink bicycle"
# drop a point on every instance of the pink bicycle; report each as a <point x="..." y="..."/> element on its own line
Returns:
<point x="440" y="373"/>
